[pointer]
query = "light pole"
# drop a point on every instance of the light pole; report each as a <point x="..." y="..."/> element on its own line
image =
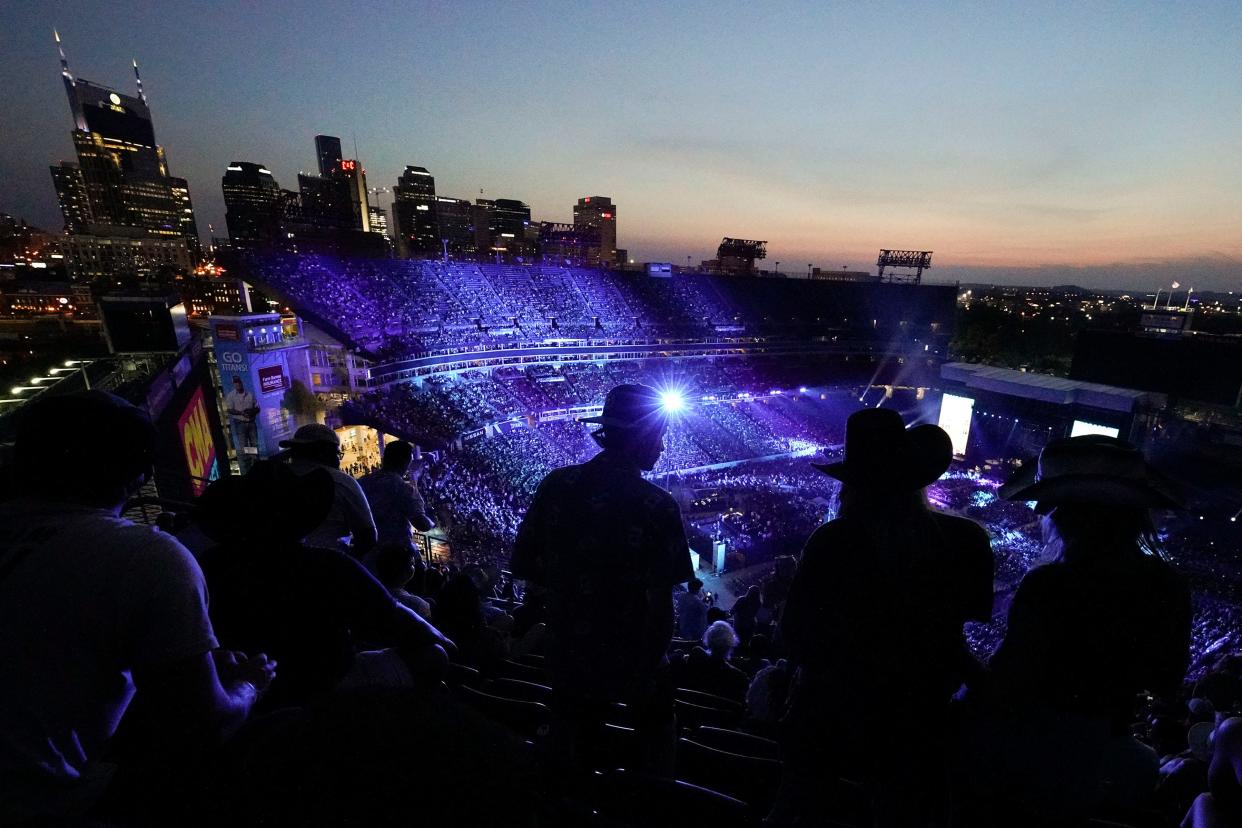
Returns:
<point x="778" y="268"/>
<point x="1156" y="302"/>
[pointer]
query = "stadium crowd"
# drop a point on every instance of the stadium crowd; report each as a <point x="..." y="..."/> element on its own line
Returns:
<point x="337" y="678"/>
<point x="403" y="308"/>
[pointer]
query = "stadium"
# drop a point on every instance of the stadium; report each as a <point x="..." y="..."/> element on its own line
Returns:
<point x="493" y="365"/>
<point x="489" y="371"/>
<point x="489" y="367"/>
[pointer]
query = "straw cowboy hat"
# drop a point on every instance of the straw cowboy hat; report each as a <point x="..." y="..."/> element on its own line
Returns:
<point x="880" y="452"/>
<point x="1091" y="469"/>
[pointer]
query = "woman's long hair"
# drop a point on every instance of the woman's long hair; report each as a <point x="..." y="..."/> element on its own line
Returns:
<point x="1087" y="532"/>
<point x="896" y="522"/>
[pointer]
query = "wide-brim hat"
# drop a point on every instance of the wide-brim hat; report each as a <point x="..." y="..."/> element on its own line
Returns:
<point x="1092" y="469"/>
<point x="881" y="453"/>
<point x="312" y="434"/>
<point x="270" y="501"/>
<point x="630" y="406"/>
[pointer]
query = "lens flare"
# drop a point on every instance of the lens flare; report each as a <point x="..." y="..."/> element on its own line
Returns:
<point x="672" y="401"/>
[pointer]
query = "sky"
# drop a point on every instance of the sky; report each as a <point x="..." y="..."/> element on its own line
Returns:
<point x="1035" y="143"/>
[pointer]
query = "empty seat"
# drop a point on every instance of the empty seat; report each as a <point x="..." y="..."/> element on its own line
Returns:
<point x="517" y="689"/>
<point x="707" y="700"/>
<point x="735" y="741"/>
<point x="690" y="716"/>
<point x="524" y="672"/>
<point x="529" y="719"/>
<point x="459" y="674"/>
<point x="532" y="660"/>
<point x="642" y="801"/>
<point x="751" y="779"/>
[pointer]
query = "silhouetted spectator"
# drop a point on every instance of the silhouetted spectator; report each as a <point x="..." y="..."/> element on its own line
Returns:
<point x="765" y="698"/>
<point x="873" y="624"/>
<point x="394" y="565"/>
<point x="710" y="671"/>
<point x="745" y="612"/>
<point x="691" y="611"/>
<point x="315" y="446"/>
<point x="310" y="607"/>
<point x="609" y="547"/>
<point x="1221" y="806"/>
<point x="1086" y="633"/>
<point x="460" y="612"/>
<point x="95" y="609"/>
<point x="395" y="502"/>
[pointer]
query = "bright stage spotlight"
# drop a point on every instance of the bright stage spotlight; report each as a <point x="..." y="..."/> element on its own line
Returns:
<point x="672" y="401"/>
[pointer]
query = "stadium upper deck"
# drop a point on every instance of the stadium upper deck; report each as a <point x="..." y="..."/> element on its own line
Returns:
<point x="396" y="310"/>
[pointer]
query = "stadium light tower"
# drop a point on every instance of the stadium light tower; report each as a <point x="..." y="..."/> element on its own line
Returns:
<point x="916" y="260"/>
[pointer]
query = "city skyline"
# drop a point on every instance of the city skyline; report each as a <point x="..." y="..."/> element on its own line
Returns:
<point x="907" y="142"/>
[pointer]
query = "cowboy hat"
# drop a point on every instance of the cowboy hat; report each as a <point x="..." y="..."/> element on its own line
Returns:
<point x="1091" y="469"/>
<point x="312" y="434"/>
<point x="270" y="501"/>
<point x="628" y="406"/>
<point x="880" y="452"/>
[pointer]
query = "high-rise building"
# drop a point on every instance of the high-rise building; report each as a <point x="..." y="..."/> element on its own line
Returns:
<point x="454" y="219"/>
<point x="325" y="202"/>
<point x="414" y="214"/>
<point x="122" y="181"/>
<point x="379" y="220"/>
<point x="511" y="231"/>
<point x="596" y="217"/>
<point x="327" y="214"/>
<point x="482" y="216"/>
<point x="350" y="171"/>
<point x="75" y="205"/>
<point x="254" y="204"/>
<point x="328" y="152"/>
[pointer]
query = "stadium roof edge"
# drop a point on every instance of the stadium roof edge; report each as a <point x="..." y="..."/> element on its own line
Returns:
<point x="1057" y="390"/>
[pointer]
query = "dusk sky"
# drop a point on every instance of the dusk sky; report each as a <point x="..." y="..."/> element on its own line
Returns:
<point x="1098" y="143"/>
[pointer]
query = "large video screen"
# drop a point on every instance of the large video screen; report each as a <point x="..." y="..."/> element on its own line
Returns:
<point x="1082" y="427"/>
<point x="955" y="415"/>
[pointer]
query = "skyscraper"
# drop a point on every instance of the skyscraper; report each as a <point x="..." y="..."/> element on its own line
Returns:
<point x="379" y="220"/>
<point x="328" y="151"/>
<point x="75" y="205"/>
<point x="121" y="184"/>
<point x="453" y="217"/>
<point x="512" y="228"/>
<point x="254" y="204"/>
<point x="596" y="217"/>
<point x="482" y="216"/>
<point x="350" y="171"/>
<point x="325" y="202"/>
<point x="414" y="215"/>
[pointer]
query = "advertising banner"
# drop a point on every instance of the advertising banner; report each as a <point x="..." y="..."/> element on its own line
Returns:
<point x="272" y="378"/>
<point x="194" y="430"/>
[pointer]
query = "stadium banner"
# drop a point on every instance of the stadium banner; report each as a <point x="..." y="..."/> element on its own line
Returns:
<point x="194" y="429"/>
<point x="259" y="357"/>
